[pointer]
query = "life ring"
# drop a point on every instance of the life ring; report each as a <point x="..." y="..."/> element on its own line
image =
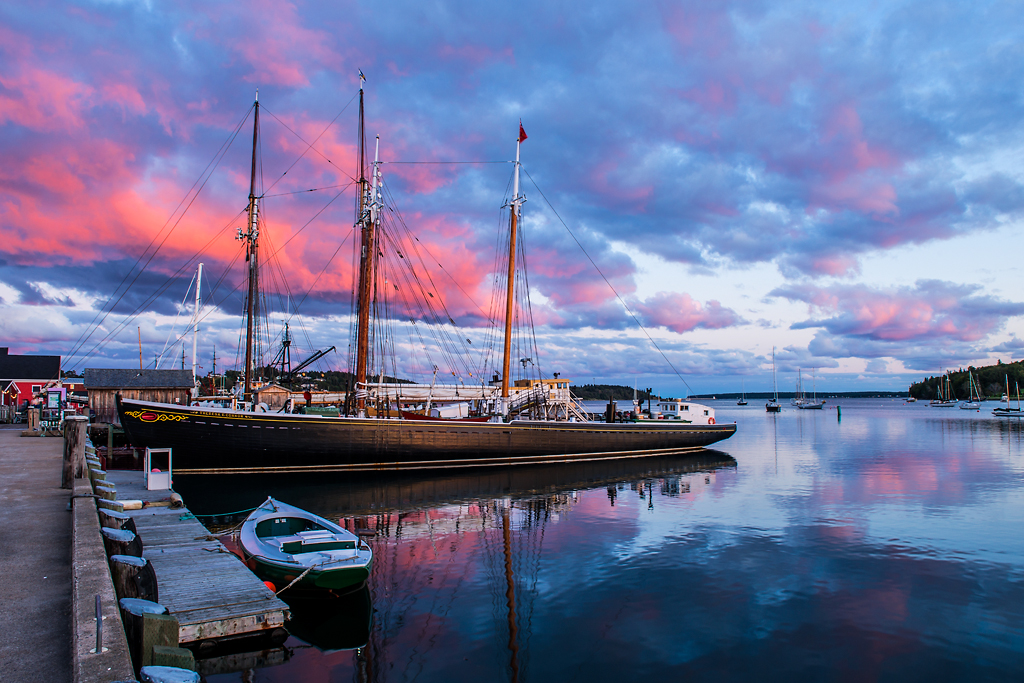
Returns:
<point x="711" y="420"/>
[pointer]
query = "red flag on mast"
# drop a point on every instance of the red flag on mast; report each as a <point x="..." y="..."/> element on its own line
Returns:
<point x="522" y="133"/>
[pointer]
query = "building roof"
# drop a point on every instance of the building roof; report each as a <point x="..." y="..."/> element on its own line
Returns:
<point x="28" y="367"/>
<point x="100" y="378"/>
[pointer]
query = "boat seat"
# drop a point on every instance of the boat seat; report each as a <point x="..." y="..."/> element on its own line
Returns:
<point x="282" y="526"/>
<point x="314" y="534"/>
<point x="309" y="542"/>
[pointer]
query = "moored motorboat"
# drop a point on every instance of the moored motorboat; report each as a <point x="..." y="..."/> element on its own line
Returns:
<point x="286" y="545"/>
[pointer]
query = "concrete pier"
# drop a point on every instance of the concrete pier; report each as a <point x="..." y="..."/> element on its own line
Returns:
<point x="35" y="565"/>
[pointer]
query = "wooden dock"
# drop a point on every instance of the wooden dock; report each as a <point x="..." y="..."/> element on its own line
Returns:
<point x="213" y="595"/>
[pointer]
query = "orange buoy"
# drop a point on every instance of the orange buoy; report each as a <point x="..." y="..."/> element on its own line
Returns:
<point x="711" y="420"/>
<point x="271" y="586"/>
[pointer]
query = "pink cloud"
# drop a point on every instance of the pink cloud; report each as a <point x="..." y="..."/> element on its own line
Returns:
<point x="680" y="313"/>
<point x="43" y="100"/>
<point x="271" y="38"/>
<point x="930" y="310"/>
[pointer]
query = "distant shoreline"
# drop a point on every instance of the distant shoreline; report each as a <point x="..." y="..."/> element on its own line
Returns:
<point x="821" y="394"/>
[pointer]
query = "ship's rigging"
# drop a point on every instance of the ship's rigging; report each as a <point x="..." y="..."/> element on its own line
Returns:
<point x="394" y="288"/>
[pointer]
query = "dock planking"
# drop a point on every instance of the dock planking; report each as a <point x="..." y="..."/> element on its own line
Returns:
<point x="211" y="593"/>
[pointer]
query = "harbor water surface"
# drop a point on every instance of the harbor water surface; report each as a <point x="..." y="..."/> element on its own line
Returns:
<point x="887" y="545"/>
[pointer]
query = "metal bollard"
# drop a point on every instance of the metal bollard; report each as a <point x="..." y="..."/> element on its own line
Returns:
<point x="99" y="627"/>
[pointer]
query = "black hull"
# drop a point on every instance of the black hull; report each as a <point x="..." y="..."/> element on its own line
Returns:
<point x="214" y="441"/>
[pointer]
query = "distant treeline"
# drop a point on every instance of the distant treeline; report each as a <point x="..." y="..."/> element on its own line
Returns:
<point x="821" y="394"/>
<point x="991" y="379"/>
<point x="615" y="392"/>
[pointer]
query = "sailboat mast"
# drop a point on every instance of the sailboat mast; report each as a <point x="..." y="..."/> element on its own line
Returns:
<point x="514" y="215"/>
<point x="251" y="305"/>
<point x="775" y="384"/>
<point x="366" y="222"/>
<point x="195" y="334"/>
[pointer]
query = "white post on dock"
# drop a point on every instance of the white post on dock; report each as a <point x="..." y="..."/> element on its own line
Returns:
<point x="158" y="469"/>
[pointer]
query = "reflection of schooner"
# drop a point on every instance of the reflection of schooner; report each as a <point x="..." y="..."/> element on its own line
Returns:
<point x="372" y="433"/>
<point x="469" y="542"/>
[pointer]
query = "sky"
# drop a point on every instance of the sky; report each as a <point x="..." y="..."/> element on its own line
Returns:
<point x="705" y="181"/>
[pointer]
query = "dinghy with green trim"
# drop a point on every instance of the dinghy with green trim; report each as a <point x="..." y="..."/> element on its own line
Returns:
<point x="283" y="544"/>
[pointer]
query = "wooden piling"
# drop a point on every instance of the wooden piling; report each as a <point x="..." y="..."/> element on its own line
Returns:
<point x="133" y="577"/>
<point x="74" y="450"/>
<point x="115" y="519"/>
<point x="121" y="542"/>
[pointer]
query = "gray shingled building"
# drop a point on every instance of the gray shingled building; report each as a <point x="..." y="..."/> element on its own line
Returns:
<point x="161" y="386"/>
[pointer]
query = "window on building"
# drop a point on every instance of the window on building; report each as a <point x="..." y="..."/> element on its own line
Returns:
<point x="36" y="388"/>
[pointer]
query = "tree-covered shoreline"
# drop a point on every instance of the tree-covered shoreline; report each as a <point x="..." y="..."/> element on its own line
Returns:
<point x="991" y="379"/>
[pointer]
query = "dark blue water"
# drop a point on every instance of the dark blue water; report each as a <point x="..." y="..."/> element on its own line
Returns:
<point x="885" y="546"/>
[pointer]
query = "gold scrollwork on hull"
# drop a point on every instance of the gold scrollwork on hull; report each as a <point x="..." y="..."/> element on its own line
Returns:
<point x="150" y="416"/>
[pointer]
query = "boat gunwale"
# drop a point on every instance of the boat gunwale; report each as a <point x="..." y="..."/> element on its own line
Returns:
<point x="284" y="511"/>
<point x="376" y="422"/>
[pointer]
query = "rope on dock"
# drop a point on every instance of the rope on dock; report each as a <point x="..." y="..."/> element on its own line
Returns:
<point x="227" y="514"/>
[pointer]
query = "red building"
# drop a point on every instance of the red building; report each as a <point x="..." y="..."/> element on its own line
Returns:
<point x="23" y="378"/>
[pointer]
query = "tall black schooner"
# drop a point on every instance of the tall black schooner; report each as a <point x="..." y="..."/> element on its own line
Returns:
<point x="530" y="422"/>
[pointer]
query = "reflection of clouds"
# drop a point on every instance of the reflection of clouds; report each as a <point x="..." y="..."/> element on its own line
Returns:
<point x="885" y="546"/>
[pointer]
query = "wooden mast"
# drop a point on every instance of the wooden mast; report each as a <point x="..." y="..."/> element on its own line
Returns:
<point x="514" y="215"/>
<point x="367" y="255"/>
<point x="251" y="305"/>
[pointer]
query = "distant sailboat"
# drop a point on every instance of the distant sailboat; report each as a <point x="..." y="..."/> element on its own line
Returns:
<point x="743" y="395"/>
<point x="798" y="395"/>
<point x="945" y="398"/>
<point x="971" y="403"/>
<point x="1008" y="411"/>
<point x="814" y="403"/>
<point x="773" y="406"/>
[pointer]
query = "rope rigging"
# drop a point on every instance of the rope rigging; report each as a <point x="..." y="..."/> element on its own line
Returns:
<point x="149" y="253"/>
<point x="607" y="281"/>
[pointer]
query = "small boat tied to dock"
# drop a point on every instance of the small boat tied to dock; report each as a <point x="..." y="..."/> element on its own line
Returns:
<point x="300" y="552"/>
<point x="212" y="595"/>
<point x="532" y="420"/>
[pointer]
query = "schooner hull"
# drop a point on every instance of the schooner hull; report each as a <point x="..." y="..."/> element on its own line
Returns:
<point x="216" y="441"/>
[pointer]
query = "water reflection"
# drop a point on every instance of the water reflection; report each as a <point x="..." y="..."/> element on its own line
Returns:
<point x="368" y="493"/>
<point x="448" y="544"/>
<point x="335" y="624"/>
<point x="881" y="547"/>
